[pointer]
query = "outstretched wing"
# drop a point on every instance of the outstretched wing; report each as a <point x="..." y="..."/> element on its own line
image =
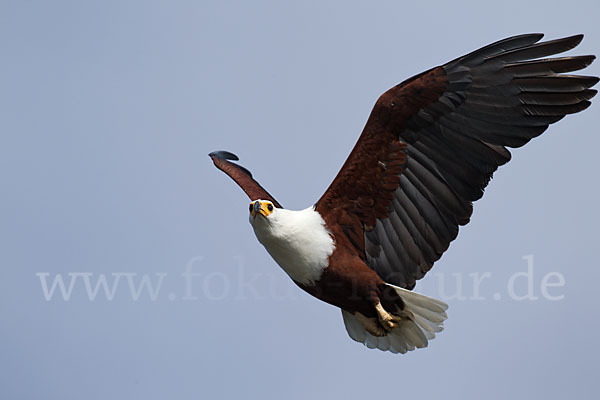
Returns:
<point x="432" y="143"/>
<point x="241" y="176"/>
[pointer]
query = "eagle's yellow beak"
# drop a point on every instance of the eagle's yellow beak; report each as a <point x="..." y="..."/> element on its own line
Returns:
<point x="261" y="207"/>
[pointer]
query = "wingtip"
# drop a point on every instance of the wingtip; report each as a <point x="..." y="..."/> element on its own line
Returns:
<point x="225" y="155"/>
<point x="537" y="35"/>
<point x="229" y="156"/>
<point x="574" y="40"/>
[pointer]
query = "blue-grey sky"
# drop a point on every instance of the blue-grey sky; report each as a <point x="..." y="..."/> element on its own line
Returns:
<point x="107" y="112"/>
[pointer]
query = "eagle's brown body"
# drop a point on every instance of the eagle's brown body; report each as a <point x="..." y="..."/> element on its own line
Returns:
<point x="348" y="283"/>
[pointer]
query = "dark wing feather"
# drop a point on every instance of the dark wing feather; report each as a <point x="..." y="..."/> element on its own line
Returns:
<point x="432" y="143"/>
<point x="241" y="176"/>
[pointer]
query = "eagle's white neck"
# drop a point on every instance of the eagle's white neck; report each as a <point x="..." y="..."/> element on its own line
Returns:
<point x="297" y="240"/>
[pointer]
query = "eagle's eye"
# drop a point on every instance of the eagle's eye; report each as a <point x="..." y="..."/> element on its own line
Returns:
<point x="270" y="207"/>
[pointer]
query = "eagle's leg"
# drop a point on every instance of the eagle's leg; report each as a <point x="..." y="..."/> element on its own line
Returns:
<point x="371" y="325"/>
<point x="387" y="320"/>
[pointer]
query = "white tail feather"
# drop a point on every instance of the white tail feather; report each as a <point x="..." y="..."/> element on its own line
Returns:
<point x="428" y="315"/>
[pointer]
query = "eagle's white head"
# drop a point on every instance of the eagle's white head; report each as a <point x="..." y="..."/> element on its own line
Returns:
<point x="297" y="240"/>
<point x="270" y="222"/>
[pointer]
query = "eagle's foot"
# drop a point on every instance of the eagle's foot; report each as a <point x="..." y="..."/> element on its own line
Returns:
<point x="386" y="320"/>
<point x="372" y="325"/>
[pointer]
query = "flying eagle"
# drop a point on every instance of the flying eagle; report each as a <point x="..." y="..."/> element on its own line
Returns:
<point x="428" y="150"/>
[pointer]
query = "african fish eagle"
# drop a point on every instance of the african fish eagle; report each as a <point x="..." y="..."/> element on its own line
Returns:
<point x="428" y="150"/>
